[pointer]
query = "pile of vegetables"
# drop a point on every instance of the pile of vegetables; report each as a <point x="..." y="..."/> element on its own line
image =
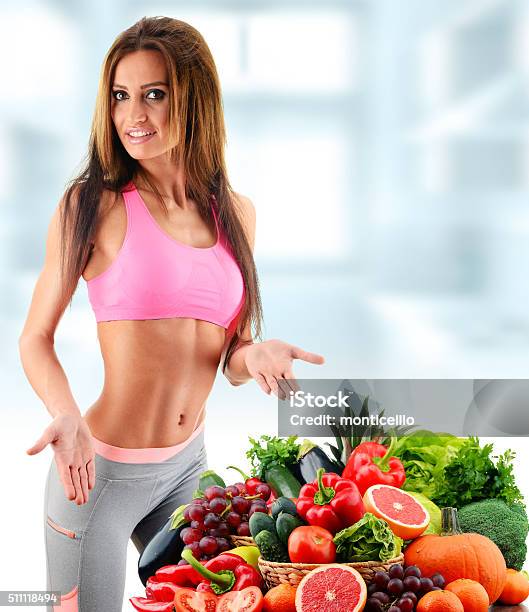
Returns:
<point x="466" y="543"/>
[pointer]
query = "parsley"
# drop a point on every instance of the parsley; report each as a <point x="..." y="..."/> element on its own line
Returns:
<point x="269" y="451"/>
<point x="473" y="475"/>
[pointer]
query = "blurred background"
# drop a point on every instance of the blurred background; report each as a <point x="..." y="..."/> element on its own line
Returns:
<point x="385" y="145"/>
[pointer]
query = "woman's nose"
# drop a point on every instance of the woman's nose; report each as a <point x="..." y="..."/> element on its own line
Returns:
<point x="137" y="112"/>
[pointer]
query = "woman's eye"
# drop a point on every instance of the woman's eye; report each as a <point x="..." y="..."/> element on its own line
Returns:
<point x="156" y="94"/>
<point x="119" y="95"/>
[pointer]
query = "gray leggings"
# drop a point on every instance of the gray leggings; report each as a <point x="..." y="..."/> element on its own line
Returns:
<point x="86" y="545"/>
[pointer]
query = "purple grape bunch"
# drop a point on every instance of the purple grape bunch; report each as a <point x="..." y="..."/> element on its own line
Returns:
<point x="400" y="589"/>
<point x="222" y="512"/>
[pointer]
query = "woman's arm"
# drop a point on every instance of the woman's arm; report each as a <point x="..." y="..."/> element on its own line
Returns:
<point x="36" y="342"/>
<point x="236" y="371"/>
<point x="268" y="362"/>
<point x="68" y="434"/>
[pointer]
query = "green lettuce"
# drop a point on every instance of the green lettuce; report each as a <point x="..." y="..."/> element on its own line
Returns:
<point x="369" y="539"/>
<point x="425" y="455"/>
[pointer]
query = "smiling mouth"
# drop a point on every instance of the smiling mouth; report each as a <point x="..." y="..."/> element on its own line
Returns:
<point x="139" y="133"/>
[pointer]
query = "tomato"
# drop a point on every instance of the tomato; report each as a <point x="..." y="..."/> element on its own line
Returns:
<point x="189" y="600"/>
<point x="144" y="604"/>
<point x="311" y="544"/>
<point x="249" y="599"/>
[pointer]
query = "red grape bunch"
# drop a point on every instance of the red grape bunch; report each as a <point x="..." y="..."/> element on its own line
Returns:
<point x="220" y="513"/>
<point x="399" y="589"/>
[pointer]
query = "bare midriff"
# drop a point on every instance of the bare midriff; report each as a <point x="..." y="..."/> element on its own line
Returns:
<point x="158" y="375"/>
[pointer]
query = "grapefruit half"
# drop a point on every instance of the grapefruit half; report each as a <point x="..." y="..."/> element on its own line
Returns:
<point x="406" y="516"/>
<point x="333" y="588"/>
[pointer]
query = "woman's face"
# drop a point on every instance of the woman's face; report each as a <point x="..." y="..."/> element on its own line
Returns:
<point x="140" y="104"/>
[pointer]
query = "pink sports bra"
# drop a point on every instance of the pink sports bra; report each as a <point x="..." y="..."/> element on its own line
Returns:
<point x="155" y="276"/>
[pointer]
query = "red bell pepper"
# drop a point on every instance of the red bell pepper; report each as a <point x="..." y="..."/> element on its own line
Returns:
<point x="371" y="463"/>
<point x="181" y="575"/>
<point x="160" y="591"/>
<point x="145" y="605"/>
<point x="331" y="502"/>
<point x="226" y="572"/>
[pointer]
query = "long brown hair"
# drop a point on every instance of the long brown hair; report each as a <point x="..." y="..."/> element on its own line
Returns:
<point x="197" y="113"/>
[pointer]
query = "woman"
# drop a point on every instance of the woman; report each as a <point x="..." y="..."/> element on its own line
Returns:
<point x="175" y="294"/>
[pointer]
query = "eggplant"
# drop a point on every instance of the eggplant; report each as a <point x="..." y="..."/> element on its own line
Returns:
<point x="310" y="458"/>
<point x="164" y="548"/>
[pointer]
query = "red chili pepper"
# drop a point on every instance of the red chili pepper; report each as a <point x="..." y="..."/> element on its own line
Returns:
<point x="371" y="463"/>
<point x="224" y="573"/>
<point x="251" y="484"/>
<point x="330" y="502"/>
<point x="145" y="605"/>
<point x="160" y="591"/>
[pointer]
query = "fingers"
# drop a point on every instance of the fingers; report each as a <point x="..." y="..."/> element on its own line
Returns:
<point x="284" y="388"/>
<point x="291" y="381"/>
<point x="66" y="479"/>
<point x="76" y="479"/>
<point x="83" y="477"/>
<point x="272" y="383"/>
<point x="299" y="353"/>
<point x="41" y="443"/>
<point x="281" y="386"/>
<point x="261" y="381"/>
<point x="77" y="484"/>
<point x="91" y="471"/>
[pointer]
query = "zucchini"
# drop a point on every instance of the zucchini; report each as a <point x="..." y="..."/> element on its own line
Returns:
<point x="283" y="504"/>
<point x="285" y="525"/>
<point x="270" y="547"/>
<point x="260" y="521"/>
<point x="282" y="481"/>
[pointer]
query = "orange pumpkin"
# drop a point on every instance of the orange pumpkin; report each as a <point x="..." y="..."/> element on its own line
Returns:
<point x="459" y="555"/>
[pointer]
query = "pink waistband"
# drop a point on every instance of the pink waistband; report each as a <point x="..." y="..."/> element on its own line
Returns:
<point x="142" y="455"/>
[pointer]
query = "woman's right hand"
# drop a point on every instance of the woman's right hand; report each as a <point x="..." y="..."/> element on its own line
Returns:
<point x="71" y="440"/>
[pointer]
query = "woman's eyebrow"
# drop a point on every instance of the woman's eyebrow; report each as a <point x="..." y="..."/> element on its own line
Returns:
<point x="143" y="86"/>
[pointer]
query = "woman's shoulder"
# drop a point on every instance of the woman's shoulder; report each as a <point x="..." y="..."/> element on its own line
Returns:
<point x="244" y="201"/>
<point x="107" y="199"/>
<point x="246" y="210"/>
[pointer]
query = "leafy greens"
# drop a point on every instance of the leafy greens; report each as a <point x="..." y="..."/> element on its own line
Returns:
<point x="369" y="539"/>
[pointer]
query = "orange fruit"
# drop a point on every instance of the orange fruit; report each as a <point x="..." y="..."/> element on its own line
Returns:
<point x="332" y="588"/>
<point x="516" y="588"/>
<point x="440" y="601"/>
<point x="472" y="594"/>
<point x="281" y="598"/>
<point x="406" y="516"/>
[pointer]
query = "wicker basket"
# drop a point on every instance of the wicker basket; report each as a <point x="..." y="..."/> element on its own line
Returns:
<point x="237" y="540"/>
<point x="292" y="573"/>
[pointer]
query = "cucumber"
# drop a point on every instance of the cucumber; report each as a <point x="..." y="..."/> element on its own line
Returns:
<point x="282" y="481"/>
<point x="283" y="504"/>
<point x="260" y="521"/>
<point x="210" y="478"/>
<point x="285" y="525"/>
<point x="270" y="547"/>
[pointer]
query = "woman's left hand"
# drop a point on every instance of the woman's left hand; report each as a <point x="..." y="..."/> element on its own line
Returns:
<point x="270" y="364"/>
